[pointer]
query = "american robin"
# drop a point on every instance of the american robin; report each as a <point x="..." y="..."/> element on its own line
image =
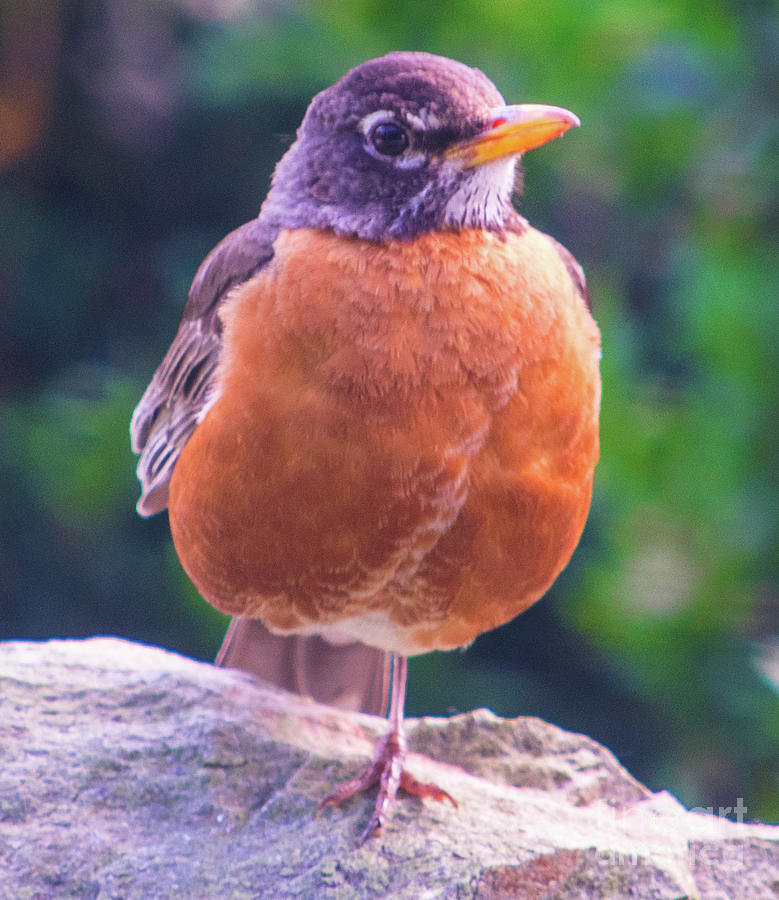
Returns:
<point x="378" y="421"/>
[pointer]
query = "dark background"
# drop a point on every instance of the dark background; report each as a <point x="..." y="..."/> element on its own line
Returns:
<point x="134" y="135"/>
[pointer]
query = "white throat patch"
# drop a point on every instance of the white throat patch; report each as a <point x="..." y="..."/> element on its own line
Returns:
<point x="481" y="200"/>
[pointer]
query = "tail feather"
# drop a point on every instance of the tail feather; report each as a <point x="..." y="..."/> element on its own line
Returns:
<point x="352" y="676"/>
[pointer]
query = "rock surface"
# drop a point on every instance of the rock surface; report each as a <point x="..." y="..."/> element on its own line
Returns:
<point x="130" y="772"/>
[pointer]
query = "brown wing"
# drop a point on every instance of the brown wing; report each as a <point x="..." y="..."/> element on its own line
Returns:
<point x="350" y="676"/>
<point x="183" y="385"/>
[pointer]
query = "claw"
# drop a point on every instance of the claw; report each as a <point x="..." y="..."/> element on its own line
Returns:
<point x="387" y="765"/>
<point x="387" y="768"/>
<point x="425" y="789"/>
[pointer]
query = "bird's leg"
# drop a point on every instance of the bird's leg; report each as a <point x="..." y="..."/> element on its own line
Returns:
<point x="388" y="761"/>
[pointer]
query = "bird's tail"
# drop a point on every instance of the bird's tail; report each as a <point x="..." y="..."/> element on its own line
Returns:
<point x="351" y="676"/>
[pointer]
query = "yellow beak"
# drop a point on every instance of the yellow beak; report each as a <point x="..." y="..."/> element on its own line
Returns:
<point x="513" y="130"/>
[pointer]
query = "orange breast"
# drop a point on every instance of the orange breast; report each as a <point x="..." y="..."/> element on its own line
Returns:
<point x="404" y="441"/>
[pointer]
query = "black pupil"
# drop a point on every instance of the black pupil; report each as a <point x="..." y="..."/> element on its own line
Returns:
<point x="389" y="139"/>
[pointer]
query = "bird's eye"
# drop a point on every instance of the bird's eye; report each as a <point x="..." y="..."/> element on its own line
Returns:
<point x="388" y="138"/>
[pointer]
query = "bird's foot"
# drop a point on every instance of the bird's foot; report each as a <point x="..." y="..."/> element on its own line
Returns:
<point x="387" y="769"/>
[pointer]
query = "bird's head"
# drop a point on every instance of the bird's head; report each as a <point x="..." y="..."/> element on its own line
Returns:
<point x="406" y="144"/>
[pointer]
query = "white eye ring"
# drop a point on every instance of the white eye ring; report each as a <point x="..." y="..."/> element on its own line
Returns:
<point x="408" y="159"/>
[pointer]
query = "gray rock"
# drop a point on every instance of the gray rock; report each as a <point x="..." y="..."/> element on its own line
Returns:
<point x="130" y="772"/>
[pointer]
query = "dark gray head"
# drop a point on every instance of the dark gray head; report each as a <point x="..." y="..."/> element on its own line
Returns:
<point x="405" y="144"/>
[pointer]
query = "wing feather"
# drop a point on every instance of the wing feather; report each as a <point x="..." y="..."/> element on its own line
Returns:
<point x="183" y="387"/>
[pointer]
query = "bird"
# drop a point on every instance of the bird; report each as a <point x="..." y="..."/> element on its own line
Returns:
<point x="376" y="428"/>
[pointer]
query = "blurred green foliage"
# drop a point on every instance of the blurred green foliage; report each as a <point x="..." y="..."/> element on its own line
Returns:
<point x="134" y="135"/>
